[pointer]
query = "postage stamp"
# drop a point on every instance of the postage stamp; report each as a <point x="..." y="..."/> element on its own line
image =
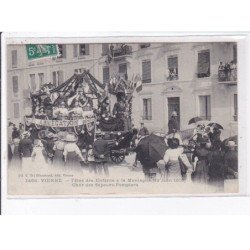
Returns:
<point x="148" y="116"/>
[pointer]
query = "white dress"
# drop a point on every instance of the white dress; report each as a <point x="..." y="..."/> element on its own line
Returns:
<point x="38" y="156"/>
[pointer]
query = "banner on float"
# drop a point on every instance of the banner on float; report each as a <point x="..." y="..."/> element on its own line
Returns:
<point x="60" y="123"/>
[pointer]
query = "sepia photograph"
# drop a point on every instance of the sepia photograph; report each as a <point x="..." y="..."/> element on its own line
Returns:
<point x="129" y="119"/>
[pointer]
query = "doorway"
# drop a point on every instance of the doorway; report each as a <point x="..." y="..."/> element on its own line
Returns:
<point x="174" y="105"/>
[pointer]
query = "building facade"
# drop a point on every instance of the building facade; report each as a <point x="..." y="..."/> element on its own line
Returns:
<point x="181" y="77"/>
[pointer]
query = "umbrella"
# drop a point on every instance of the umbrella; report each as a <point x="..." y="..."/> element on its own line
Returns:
<point x="215" y="125"/>
<point x="150" y="150"/>
<point x="195" y="119"/>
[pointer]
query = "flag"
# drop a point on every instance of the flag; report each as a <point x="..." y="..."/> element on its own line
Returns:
<point x="139" y="84"/>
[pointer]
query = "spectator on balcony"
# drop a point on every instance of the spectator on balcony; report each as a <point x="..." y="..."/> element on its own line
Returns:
<point x="221" y="72"/>
<point x="227" y="71"/>
<point x="233" y="71"/>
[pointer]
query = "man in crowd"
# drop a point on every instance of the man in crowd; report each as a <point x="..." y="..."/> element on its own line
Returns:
<point x="173" y="125"/>
<point x="231" y="161"/>
<point x="25" y="149"/>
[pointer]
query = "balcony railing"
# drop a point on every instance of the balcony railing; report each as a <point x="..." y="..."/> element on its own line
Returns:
<point x="122" y="50"/>
<point x="227" y="72"/>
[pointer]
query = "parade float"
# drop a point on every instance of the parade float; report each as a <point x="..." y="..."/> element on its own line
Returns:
<point x="82" y="106"/>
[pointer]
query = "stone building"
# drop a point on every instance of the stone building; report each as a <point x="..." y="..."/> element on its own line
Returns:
<point x="181" y="77"/>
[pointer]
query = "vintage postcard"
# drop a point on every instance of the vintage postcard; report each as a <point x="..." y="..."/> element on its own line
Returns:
<point x="121" y="116"/>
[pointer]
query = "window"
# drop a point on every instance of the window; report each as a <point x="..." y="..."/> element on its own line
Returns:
<point x="123" y="68"/>
<point x="16" y="110"/>
<point x="62" y="50"/>
<point x="144" y="45"/>
<point x="41" y="79"/>
<point x="105" y="49"/>
<point x="172" y="68"/>
<point x="79" y="71"/>
<point x="235" y="107"/>
<point x="32" y="82"/>
<point x="83" y="49"/>
<point x="15" y="85"/>
<point x="147" y="109"/>
<point x="203" y="64"/>
<point x="146" y="71"/>
<point x="105" y="72"/>
<point x="205" y="107"/>
<point x="14" y="58"/>
<point x="75" y="50"/>
<point x="235" y="53"/>
<point x="57" y="77"/>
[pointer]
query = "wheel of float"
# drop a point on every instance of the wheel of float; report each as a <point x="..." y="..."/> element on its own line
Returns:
<point x="117" y="158"/>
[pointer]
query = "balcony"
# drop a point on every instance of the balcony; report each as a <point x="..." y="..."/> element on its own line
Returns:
<point x="119" y="51"/>
<point x="227" y="73"/>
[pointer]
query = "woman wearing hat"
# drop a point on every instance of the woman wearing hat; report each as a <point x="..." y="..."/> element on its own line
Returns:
<point x="61" y="112"/>
<point x="231" y="161"/>
<point x="72" y="153"/>
<point x="171" y="166"/>
<point x="77" y="111"/>
<point x="200" y="158"/>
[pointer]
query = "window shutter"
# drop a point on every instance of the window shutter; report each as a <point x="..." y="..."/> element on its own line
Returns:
<point x="15" y="84"/>
<point x="204" y="62"/>
<point x="123" y="68"/>
<point x="60" y="77"/>
<point x="105" y="49"/>
<point x="54" y="78"/>
<point x="235" y="53"/>
<point x="86" y="49"/>
<point x="16" y="110"/>
<point x="14" y="58"/>
<point x="75" y="50"/>
<point x="41" y="79"/>
<point x="149" y="109"/>
<point x="146" y="71"/>
<point x="105" y="74"/>
<point x="235" y="105"/>
<point x="173" y="62"/>
<point x="32" y="82"/>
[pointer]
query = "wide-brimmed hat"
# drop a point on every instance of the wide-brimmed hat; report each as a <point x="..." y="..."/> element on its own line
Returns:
<point x="70" y="138"/>
<point x="26" y="134"/>
<point x="50" y="135"/>
<point x="61" y="135"/>
<point x="231" y="144"/>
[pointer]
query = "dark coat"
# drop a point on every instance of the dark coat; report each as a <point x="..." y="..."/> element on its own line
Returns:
<point x="231" y="163"/>
<point x="172" y="125"/>
<point x="25" y="147"/>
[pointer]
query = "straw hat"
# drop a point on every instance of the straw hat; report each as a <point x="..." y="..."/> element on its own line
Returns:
<point x="70" y="138"/>
<point x="50" y="135"/>
<point x="61" y="135"/>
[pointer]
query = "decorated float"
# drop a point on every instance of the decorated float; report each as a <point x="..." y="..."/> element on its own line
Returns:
<point x="82" y="105"/>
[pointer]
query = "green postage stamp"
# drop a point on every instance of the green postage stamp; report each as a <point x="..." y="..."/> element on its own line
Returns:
<point x="37" y="51"/>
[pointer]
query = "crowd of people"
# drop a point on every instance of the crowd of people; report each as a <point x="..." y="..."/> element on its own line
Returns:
<point x="211" y="160"/>
<point x="62" y="150"/>
<point x="227" y="71"/>
<point x="204" y="155"/>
